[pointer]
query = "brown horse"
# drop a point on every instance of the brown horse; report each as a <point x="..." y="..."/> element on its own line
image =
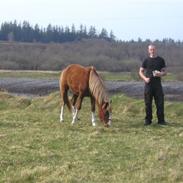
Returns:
<point x="84" y="81"/>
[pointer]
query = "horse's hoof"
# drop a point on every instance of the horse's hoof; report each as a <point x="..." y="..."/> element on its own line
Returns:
<point x="93" y="124"/>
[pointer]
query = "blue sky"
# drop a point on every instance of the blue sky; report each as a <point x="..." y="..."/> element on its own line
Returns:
<point x="130" y="19"/>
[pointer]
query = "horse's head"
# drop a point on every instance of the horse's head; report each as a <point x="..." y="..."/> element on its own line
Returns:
<point x="105" y="113"/>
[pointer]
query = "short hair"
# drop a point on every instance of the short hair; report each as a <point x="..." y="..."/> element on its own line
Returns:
<point x="151" y="45"/>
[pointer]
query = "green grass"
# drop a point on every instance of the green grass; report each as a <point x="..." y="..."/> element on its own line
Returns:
<point x="170" y="77"/>
<point x="35" y="147"/>
<point x="30" y="74"/>
<point x="112" y="76"/>
<point x="117" y="76"/>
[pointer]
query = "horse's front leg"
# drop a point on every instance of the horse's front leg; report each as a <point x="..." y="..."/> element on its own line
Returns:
<point x="93" y="110"/>
<point x="77" y="108"/>
<point x="62" y="113"/>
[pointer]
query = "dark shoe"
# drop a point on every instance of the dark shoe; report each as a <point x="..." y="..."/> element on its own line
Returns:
<point x="162" y="123"/>
<point x="147" y="123"/>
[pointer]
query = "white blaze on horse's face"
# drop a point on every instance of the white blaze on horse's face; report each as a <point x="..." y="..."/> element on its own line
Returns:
<point x="110" y="115"/>
<point x="107" y="113"/>
<point x="110" y="119"/>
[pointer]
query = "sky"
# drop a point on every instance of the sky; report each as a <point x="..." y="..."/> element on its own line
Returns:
<point x="128" y="19"/>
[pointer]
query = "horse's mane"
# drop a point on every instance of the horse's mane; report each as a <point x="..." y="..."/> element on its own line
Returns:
<point x="97" y="87"/>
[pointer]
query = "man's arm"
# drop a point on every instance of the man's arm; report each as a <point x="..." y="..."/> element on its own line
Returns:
<point x="163" y="71"/>
<point x="142" y="75"/>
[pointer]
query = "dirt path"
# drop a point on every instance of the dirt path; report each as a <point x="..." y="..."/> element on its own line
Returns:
<point x="38" y="87"/>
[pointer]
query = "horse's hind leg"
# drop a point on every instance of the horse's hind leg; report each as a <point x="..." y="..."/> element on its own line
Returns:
<point x="64" y="100"/>
<point x="62" y="108"/>
<point x="77" y="107"/>
<point x="73" y="102"/>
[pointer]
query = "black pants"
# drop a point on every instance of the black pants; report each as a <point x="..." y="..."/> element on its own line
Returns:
<point x="154" y="90"/>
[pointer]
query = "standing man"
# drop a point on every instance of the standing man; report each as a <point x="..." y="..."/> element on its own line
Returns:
<point x="151" y="71"/>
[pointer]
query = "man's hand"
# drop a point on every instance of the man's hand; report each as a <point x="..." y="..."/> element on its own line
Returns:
<point x="157" y="74"/>
<point x="147" y="80"/>
<point x="141" y="74"/>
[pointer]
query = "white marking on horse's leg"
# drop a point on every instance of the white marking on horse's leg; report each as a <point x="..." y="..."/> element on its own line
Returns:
<point x="73" y="111"/>
<point x="62" y="114"/>
<point x="74" y="117"/>
<point x="93" y="119"/>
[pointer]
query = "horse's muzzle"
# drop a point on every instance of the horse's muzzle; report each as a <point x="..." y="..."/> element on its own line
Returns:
<point x="108" y="124"/>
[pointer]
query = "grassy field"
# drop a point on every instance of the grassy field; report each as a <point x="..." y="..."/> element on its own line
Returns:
<point x="114" y="76"/>
<point x="30" y="74"/>
<point x="35" y="147"/>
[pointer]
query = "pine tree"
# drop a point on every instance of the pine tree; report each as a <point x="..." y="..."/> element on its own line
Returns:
<point x="24" y="32"/>
<point x="112" y="36"/>
<point x="103" y="34"/>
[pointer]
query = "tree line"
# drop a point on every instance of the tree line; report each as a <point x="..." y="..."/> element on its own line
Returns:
<point x="53" y="48"/>
<point x="24" y="32"/>
<point x="115" y="56"/>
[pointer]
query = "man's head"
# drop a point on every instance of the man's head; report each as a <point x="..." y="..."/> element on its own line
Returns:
<point x="152" y="50"/>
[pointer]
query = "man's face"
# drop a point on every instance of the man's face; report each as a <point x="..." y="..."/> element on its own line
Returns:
<point x="152" y="50"/>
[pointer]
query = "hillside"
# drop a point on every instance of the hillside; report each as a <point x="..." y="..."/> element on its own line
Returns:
<point x="104" y="55"/>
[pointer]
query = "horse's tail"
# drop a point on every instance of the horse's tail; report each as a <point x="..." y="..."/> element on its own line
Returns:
<point x="64" y="91"/>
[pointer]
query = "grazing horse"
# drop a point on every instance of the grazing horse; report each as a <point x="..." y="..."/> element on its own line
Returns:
<point x="84" y="81"/>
